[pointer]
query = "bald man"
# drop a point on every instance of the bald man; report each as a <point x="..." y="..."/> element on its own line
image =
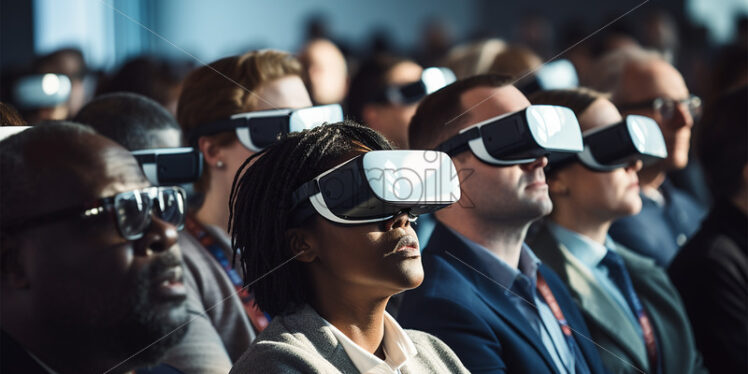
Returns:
<point x="647" y="85"/>
<point x="91" y="272"/>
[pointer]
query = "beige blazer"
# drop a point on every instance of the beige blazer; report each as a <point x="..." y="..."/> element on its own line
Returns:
<point x="302" y="342"/>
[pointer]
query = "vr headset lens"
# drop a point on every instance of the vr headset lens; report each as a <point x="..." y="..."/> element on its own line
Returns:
<point x="617" y="145"/>
<point x="554" y="128"/>
<point x="377" y="185"/>
<point x="133" y="209"/>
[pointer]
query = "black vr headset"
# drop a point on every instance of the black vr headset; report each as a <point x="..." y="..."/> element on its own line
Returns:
<point x="170" y="166"/>
<point x="257" y="130"/>
<point x="618" y="145"/>
<point x="377" y="186"/>
<point x="432" y="79"/>
<point x="519" y="137"/>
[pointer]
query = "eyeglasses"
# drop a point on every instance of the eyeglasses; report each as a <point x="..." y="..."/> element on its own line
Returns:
<point x="667" y="107"/>
<point x="132" y="211"/>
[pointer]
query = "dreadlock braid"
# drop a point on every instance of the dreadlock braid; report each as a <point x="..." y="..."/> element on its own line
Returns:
<point x="260" y="204"/>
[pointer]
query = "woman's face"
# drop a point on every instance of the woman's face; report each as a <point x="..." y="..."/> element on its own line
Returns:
<point x="608" y="195"/>
<point x="282" y="93"/>
<point x="383" y="258"/>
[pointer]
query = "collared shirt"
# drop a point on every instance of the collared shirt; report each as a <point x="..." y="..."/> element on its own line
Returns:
<point x="590" y="254"/>
<point x="520" y="286"/>
<point x="397" y="346"/>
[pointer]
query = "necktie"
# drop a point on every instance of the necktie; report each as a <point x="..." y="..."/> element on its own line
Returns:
<point x="620" y="276"/>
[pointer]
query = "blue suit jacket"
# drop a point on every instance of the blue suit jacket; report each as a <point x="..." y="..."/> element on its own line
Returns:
<point x="659" y="232"/>
<point x="472" y="314"/>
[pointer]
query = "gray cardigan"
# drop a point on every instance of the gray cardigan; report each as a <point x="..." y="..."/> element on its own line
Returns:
<point x="302" y="342"/>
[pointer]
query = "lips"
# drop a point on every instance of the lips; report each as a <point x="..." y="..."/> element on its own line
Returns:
<point x="408" y="246"/>
<point x="169" y="283"/>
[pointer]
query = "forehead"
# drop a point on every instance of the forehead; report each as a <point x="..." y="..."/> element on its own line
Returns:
<point x="600" y="113"/>
<point x="286" y="92"/>
<point x="656" y="78"/>
<point x="482" y="103"/>
<point x="120" y="172"/>
<point x="404" y="72"/>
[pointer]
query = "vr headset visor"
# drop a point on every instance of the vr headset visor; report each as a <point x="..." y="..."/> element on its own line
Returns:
<point x="432" y="79"/>
<point x="519" y="137"/>
<point x="617" y="145"/>
<point x="257" y="130"/>
<point x="170" y="166"/>
<point x="377" y="186"/>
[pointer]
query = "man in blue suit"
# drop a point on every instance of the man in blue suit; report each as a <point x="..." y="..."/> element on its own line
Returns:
<point x="485" y="293"/>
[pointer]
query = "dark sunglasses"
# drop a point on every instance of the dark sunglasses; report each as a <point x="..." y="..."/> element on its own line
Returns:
<point x="132" y="211"/>
<point x="667" y="107"/>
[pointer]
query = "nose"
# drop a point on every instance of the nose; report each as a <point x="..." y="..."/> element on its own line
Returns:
<point x="681" y="117"/>
<point x="160" y="237"/>
<point x="400" y="221"/>
<point x="540" y="162"/>
<point x="634" y="166"/>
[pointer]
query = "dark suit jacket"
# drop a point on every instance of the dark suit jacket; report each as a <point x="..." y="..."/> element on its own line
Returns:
<point x="622" y="345"/>
<point x="711" y="273"/>
<point x="658" y="232"/>
<point x="15" y="359"/>
<point x="472" y="314"/>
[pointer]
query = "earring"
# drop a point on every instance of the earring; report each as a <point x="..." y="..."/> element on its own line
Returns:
<point x="219" y="164"/>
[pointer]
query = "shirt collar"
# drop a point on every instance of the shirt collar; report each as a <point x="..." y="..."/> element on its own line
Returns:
<point x="397" y="345"/>
<point x="586" y="250"/>
<point x="501" y="271"/>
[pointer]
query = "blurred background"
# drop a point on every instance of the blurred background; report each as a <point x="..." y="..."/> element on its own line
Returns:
<point x="148" y="46"/>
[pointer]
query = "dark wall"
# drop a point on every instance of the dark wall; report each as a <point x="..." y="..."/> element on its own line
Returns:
<point x="16" y="33"/>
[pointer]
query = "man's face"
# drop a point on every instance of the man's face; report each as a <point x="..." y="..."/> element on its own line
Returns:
<point x="392" y="120"/>
<point x="102" y="290"/>
<point x="515" y="194"/>
<point x="655" y="79"/>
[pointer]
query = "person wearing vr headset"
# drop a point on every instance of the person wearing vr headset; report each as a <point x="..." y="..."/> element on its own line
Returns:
<point x="647" y="85"/>
<point x="485" y="293"/>
<point x="230" y="110"/>
<point x="91" y="270"/>
<point x="338" y="244"/>
<point x="633" y="311"/>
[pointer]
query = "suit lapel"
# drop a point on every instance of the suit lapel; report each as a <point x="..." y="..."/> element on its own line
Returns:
<point x="600" y="309"/>
<point x="474" y="266"/>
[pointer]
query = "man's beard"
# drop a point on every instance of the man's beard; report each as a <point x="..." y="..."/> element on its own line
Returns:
<point x="154" y="325"/>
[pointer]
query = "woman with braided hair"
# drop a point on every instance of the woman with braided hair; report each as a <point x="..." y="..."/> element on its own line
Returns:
<point x="325" y="283"/>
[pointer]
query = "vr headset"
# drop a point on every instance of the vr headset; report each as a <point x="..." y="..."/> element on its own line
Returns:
<point x="41" y="91"/>
<point x="257" y="130"/>
<point x="377" y="186"/>
<point x="617" y="145"/>
<point x="432" y="79"/>
<point x="7" y="131"/>
<point x="519" y="137"/>
<point x="170" y="166"/>
<point x="558" y="74"/>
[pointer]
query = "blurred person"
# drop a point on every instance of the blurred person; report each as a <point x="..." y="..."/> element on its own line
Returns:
<point x="475" y="58"/>
<point x="219" y="322"/>
<point x="70" y="62"/>
<point x="516" y="61"/>
<point x="711" y="271"/>
<point x="132" y="120"/>
<point x="660" y="32"/>
<point x="326" y="283"/>
<point x="153" y="77"/>
<point x="38" y="97"/>
<point x="485" y="293"/>
<point x="622" y="295"/>
<point x="9" y="116"/>
<point x="325" y="71"/>
<point x="435" y="42"/>
<point x="368" y="102"/>
<point x="647" y="85"/>
<point x="536" y="32"/>
<point x="89" y="262"/>
<point x="254" y="81"/>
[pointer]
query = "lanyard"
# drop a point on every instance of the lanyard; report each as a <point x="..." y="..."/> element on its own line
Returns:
<point x="213" y="246"/>
<point x="545" y="291"/>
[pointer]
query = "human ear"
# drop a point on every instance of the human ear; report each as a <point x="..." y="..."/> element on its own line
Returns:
<point x="303" y="244"/>
<point x="211" y="152"/>
<point x="558" y="186"/>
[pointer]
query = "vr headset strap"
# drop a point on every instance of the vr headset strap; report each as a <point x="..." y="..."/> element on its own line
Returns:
<point x="459" y="143"/>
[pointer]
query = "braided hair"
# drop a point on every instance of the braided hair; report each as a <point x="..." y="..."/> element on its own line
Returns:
<point x="260" y="207"/>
